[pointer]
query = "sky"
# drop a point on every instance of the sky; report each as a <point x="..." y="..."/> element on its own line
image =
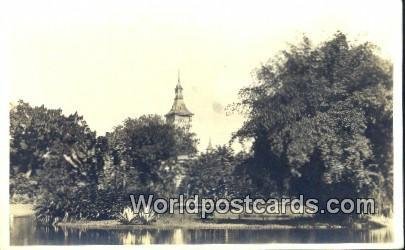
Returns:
<point x="110" y="60"/>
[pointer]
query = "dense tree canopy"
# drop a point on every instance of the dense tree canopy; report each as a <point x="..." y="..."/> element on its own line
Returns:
<point x="143" y="152"/>
<point x="210" y="174"/>
<point x="57" y="156"/>
<point x="321" y="120"/>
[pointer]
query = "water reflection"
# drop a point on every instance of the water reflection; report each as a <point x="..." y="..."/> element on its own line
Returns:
<point x="128" y="239"/>
<point x="178" y="237"/>
<point x="24" y="231"/>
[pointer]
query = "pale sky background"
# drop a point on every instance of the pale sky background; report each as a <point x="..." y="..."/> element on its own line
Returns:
<point x="110" y="60"/>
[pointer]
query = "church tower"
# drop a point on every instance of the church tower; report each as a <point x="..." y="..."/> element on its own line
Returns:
<point x="179" y="115"/>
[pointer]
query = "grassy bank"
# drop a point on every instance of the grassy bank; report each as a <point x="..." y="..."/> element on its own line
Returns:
<point x="220" y="221"/>
<point x="224" y="222"/>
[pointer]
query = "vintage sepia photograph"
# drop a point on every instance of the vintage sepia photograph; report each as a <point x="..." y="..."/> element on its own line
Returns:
<point x="227" y="124"/>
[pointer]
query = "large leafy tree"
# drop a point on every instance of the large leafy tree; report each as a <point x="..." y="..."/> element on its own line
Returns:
<point x="69" y="180"/>
<point x="211" y="174"/>
<point x="32" y="131"/>
<point x="60" y="154"/>
<point x="143" y="154"/>
<point x="321" y="121"/>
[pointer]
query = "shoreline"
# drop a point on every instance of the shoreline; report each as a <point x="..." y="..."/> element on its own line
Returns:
<point x="179" y="223"/>
<point x="184" y="222"/>
<point x="113" y="224"/>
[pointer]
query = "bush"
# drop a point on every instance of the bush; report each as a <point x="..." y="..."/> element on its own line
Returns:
<point x="23" y="189"/>
<point x="127" y="216"/>
<point x="143" y="217"/>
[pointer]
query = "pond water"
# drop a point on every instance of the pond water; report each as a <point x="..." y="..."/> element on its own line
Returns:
<point x="24" y="231"/>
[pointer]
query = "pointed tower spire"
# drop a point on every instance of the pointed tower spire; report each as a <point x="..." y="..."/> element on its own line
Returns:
<point x="179" y="114"/>
<point x="209" y="147"/>
<point x="179" y="89"/>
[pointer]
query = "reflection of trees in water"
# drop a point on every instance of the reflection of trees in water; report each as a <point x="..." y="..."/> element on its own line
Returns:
<point x="24" y="231"/>
<point x="151" y="236"/>
<point x="131" y="238"/>
<point x="201" y="236"/>
<point x="177" y="236"/>
<point x="11" y="220"/>
<point x="380" y="235"/>
<point x="128" y="239"/>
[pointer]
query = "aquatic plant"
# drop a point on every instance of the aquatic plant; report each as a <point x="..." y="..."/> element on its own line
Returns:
<point x="127" y="216"/>
<point x="147" y="216"/>
<point x="144" y="216"/>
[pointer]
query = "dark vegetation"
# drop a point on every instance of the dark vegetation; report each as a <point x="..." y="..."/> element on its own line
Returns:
<point x="319" y="119"/>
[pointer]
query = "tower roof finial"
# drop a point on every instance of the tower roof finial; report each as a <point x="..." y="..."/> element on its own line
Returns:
<point x="179" y="107"/>
<point x="209" y="147"/>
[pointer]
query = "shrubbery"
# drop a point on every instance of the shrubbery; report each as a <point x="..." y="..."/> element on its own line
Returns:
<point x="75" y="175"/>
<point x="143" y="217"/>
